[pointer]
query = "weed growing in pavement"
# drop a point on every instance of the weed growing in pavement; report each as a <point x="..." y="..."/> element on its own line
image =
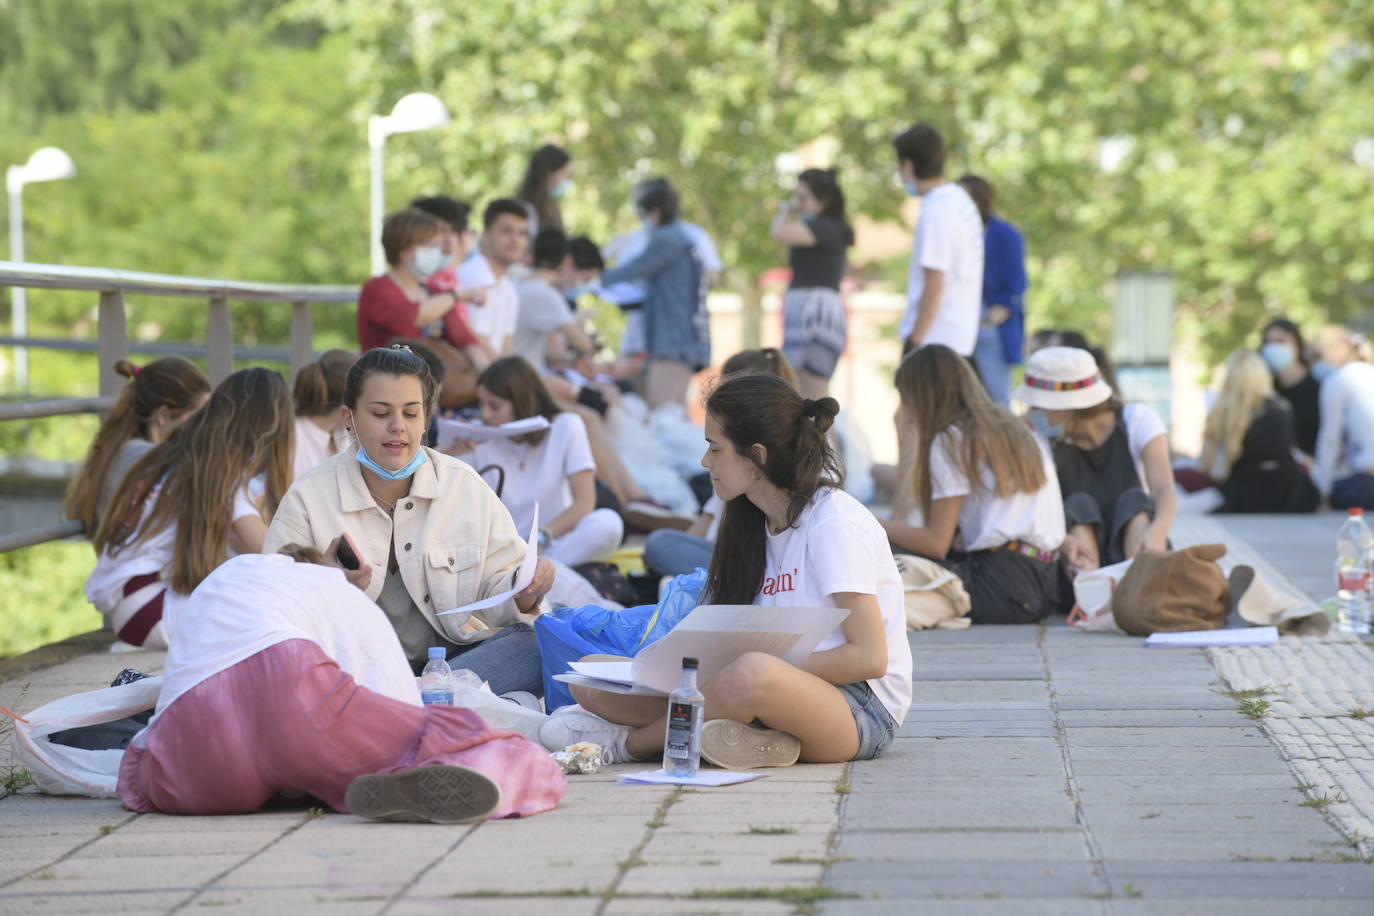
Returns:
<point x="1324" y="801"/>
<point x="312" y="813"/>
<point x="1130" y="890"/>
<point x="799" y="896"/>
<point x="107" y="829"/>
<point x="1255" y="709"/>
<point x="15" y="779"/>
<point x="632" y="862"/>
<point x="842" y="786"/>
<point x="826" y="861"/>
<point x="1149" y="814"/>
<point x="1253" y="693"/>
<point x="771" y="831"/>
<point x="1359" y="712"/>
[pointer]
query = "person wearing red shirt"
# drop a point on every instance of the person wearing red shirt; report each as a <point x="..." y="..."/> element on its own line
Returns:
<point x="396" y="303"/>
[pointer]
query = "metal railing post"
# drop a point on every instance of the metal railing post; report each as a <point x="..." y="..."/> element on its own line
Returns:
<point x="302" y="333"/>
<point x="219" y="340"/>
<point x="113" y="343"/>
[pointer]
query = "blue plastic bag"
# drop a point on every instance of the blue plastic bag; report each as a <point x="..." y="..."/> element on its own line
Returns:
<point x="567" y="634"/>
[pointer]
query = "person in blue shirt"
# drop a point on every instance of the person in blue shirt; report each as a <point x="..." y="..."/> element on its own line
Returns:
<point x="1002" y="332"/>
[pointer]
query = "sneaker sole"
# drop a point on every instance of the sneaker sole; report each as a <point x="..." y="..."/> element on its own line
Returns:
<point x="646" y="521"/>
<point x="438" y="794"/>
<point x="733" y="745"/>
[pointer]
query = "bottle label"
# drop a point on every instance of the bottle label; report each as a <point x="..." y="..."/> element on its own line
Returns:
<point x="436" y="697"/>
<point x="679" y="742"/>
<point x="1353" y="580"/>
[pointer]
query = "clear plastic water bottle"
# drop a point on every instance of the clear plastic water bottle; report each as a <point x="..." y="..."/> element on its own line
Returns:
<point x="436" y="681"/>
<point x="1354" y="554"/>
<point x="682" y="743"/>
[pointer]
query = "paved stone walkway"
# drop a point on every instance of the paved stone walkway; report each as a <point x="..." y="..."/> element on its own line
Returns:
<point x="1041" y="771"/>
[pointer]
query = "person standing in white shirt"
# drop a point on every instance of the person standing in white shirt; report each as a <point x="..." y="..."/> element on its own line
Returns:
<point x="945" y="283"/>
<point x="505" y="237"/>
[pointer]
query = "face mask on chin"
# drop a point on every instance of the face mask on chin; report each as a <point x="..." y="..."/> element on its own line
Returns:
<point x="1322" y="370"/>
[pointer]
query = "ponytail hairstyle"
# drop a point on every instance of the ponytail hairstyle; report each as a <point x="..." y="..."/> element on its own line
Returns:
<point x="534" y="187"/>
<point x="940" y="391"/>
<point x="767" y="360"/>
<point x="320" y="385"/>
<point x="171" y="382"/>
<point x="513" y="379"/>
<point x="983" y="193"/>
<point x="764" y="410"/>
<point x="245" y="431"/>
<point x="825" y="185"/>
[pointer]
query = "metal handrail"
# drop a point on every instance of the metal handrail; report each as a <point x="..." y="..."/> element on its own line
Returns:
<point x="31" y="537"/>
<point x="105" y="279"/>
<point x="53" y="407"/>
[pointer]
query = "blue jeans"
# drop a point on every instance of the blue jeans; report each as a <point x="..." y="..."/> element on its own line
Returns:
<point x="992" y="364"/>
<point x="875" y="724"/>
<point x="676" y="553"/>
<point x="1357" y="490"/>
<point x="507" y="661"/>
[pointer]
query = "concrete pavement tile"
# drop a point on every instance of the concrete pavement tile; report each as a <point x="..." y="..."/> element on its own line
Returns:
<point x="148" y="873"/>
<point x="1193" y="764"/>
<point x="726" y="874"/>
<point x="1216" y="847"/>
<point x="261" y="821"/>
<point x="1191" y="795"/>
<point x="1068" y="701"/>
<point x="1117" y="781"/>
<point x="979" y="877"/>
<point x="64" y="904"/>
<point x="1212" y="738"/>
<point x="993" y="905"/>
<point x="1209" y="906"/>
<point x="1220" y="756"/>
<point x="648" y="906"/>
<point x="677" y="843"/>
<point x="513" y="905"/>
<point x="256" y="901"/>
<point x="232" y="843"/>
<point x="1155" y="718"/>
<point x="925" y="846"/>
<point x="468" y="875"/>
<point x="946" y="671"/>
<point x="363" y="867"/>
<point x="878" y="813"/>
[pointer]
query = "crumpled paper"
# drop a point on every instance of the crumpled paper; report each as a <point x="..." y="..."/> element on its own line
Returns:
<point x="581" y="759"/>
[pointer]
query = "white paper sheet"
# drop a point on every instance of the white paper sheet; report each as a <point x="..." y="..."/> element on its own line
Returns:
<point x="451" y="430"/>
<point x="1193" y="639"/>
<point x="523" y="576"/>
<point x="620" y="672"/>
<point x="703" y="778"/>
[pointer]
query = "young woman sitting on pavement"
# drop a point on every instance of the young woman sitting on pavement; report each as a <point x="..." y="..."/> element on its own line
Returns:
<point x="318" y="393"/>
<point x="1112" y="460"/>
<point x="429" y="534"/>
<point x="1345" y="444"/>
<point x="157" y="399"/>
<point x="284" y="679"/>
<point x="986" y="487"/>
<point x="552" y="469"/>
<point x="192" y="502"/>
<point x="790" y="537"/>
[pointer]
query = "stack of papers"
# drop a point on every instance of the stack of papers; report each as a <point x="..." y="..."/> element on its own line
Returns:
<point x="1195" y="639"/>
<point x="703" y="778"/>
<point x="452" y="430"/>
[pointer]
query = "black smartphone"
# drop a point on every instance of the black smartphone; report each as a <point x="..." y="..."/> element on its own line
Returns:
<point x="347" y="557"/>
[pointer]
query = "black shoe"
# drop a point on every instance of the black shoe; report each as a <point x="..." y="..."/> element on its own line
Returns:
<point x="127" y="676"/>
<point x="440" y="794"/>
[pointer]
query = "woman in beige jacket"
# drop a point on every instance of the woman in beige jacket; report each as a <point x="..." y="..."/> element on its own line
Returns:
<point x="430" y="535"/>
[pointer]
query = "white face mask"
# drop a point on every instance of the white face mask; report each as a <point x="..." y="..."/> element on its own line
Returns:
<point x="428" y="259"/>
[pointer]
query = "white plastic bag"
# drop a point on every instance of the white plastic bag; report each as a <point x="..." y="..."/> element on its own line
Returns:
<point x="472" y="692"/>
<point x="61" y="770"/>
<point x="1092" y="592"/>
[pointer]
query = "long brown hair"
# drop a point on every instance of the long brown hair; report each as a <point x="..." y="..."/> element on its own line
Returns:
<point x="534" y="188"/>
<point x="765" y="410"/>
<point x="172" y="382"/>
<point x="940" y="391"/>
<point x="244" y="431"/>
<point x="319" y="385"/>
<point x="513" y="379"/>
<point x="767" y="360"/>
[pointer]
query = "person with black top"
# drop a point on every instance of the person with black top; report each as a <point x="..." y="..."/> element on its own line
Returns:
<point x="1247" y="443"/>
<point x="1286" y="355"/>
<point x="813" y="226"/>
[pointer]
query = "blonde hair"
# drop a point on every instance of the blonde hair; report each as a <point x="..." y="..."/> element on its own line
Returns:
<point x="245" y="430"/>
<point x="1335" y="335"/>
<point x="940" y="390"/>
<point x="1245" y="387"/>
<point x="172" y="382"/>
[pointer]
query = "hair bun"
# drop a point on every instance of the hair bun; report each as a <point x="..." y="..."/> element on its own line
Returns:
<point x="126" y="368"/>
<point x="822" y="411"/>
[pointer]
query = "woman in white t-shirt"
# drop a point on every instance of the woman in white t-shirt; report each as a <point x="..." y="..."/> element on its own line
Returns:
<point x="986" y="487"/>
<point x="202" y="496"/>
<point x="551" y="469"/>
<point x="790" y="536"/>
<point x="318" y="394"/>
<point x="1112" y="459"/>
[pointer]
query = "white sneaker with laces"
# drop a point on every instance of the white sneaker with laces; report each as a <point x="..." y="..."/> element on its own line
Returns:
<point x="560" y="731"/>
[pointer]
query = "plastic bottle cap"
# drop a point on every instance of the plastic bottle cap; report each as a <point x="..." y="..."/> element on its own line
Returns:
<point x="1357" y="510"/>
<point x="690" y="663"/>
<point x="436" y="652"/>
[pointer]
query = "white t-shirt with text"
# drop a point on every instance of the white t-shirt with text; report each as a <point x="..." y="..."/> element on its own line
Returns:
<point x="838" y="546"/>
<point x="987" y="520"/>
<point x="949" y="238"/>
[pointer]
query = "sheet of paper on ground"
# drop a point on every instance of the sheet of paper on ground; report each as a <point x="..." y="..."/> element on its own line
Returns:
<point x="523" y="576"/>
<point x="703" y="778"/>
<point x="715" y="635"/>
<point x="1193" y="639"/>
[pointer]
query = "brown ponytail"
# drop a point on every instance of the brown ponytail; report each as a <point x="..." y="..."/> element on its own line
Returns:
<point x="171" y="382"/>
<point x="765" y="410"/>
<point x="319" y="385"/>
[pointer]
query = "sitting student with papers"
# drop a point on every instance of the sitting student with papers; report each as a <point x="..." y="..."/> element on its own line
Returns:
<point x="803" y="648"/>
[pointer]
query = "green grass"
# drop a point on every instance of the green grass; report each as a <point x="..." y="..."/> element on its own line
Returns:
<point x="17" y="778"/>
<point x="1255" y="709"/>
<point x="1324" y="801"/>
<point x="1359" y="712"/>
<point x="1253" y="693"/>
<point x="42" y="595"/>
<point x="771" y="831"/>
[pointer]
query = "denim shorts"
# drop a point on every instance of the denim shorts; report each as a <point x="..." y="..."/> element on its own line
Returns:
<point x="875" y="723"/>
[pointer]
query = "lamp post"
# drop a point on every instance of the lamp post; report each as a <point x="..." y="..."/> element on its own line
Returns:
<point x="416" y="111"/>
<point x="46" y="164"/>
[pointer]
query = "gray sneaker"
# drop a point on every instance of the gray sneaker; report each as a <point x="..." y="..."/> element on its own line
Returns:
<point x="734" y="745"/>
<point x="441" y="794"/>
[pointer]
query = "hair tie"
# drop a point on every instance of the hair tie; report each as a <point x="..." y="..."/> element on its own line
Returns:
<point x="136" y="369"/>
<point x="808" y="408"/>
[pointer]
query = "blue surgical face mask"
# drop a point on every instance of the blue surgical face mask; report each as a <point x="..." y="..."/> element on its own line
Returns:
<point x="409" y="470"/>
<point x="428" y="260"/>
<point x="561" y="189"/>
<point x="1322" y="370"/>
<point x="911" y="188"/>
<point x="1040" y="422"/>
<point x="573" y="293"/>
<point x="647" y="224"/>
<point x="1278" y="356"/>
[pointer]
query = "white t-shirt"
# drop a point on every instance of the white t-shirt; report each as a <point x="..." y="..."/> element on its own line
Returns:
<point x="949" y="238"/>
<point x="1347" y="430"/>
<point x="1143" y="426"/>
<point x="838" y="546"/>
<point x="312" y="446"/>
<point x="543" y="310"/>
<point x="538" y="474"/>
<point x="254" y="601"/>
<point x="105" y="587"/>
<point x="715" y="507"/>
<point x="986" y="520"/>
<point x="496" y="319"/>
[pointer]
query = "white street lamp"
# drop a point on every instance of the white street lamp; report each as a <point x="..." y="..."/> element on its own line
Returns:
<point x="416" y="111"/>
<point x="46" y="164"/>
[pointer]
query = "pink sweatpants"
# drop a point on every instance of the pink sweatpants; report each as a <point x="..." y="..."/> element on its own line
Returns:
<point x="289" y="719"/>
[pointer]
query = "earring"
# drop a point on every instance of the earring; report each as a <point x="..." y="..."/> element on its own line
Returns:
<point x="757" y="475"/>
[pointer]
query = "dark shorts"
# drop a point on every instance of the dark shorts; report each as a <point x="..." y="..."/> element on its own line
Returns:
<point x="874" y="722"/>
<point x="814" y="329"/>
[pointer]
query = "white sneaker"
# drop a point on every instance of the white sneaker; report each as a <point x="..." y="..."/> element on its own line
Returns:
<point x="560" y="731"/>
<point x="523" y="698"/>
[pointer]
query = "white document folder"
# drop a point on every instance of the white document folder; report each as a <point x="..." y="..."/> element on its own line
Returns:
<point x="715" y="635"/>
